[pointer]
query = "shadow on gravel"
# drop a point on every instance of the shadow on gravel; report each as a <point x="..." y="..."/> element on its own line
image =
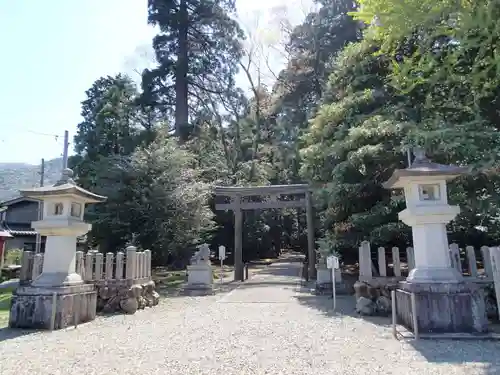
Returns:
<point x="436" y="351"/>
<point x="461" y="351"/>
<point x="345" y="306"/>
<point x="280" y="267"/>
<point x="256" y="284"/>
<point x="279" y="271"/>
<point x="10" y="333"/>
<point x="178" y="292"/>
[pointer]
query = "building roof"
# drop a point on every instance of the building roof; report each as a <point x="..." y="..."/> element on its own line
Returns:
<point x="23" y="232"/>
<point x="64" y="186"/>
<point x="5" y="233"/>
<point x="17" y="200"/>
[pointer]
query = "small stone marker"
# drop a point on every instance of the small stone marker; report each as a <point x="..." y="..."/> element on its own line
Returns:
<point x="222" y="252"/>
<point x="332" y="262"/>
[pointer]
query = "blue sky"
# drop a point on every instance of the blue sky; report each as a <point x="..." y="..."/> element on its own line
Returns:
<point x="52" y="51"/>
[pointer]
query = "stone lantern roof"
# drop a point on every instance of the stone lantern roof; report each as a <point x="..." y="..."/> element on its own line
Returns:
<point x="65" y="186"/>
<point x="423" y="167"/>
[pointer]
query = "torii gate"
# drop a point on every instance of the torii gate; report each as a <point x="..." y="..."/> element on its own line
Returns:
<point x="279" y="196"/>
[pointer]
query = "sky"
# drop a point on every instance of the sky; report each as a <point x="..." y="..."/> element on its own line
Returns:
<point x="53" y="50"/>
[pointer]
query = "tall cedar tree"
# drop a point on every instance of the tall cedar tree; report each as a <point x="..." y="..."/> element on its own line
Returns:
<point x="198" y="49"/>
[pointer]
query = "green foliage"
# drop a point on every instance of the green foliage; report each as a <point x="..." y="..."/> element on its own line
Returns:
<point x="341" y="115"/>
<point x="326" y="247"/>
<point x="197" y="49"/>
<point x="13" y="256"/>
<point x="171" y="212"/>
<point x="406" y="83"/>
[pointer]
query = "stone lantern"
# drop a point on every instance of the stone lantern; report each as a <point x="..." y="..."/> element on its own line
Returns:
<point x="58" y="287"/>
<point x="445" y="302"/>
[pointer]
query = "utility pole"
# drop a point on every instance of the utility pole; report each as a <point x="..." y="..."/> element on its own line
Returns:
<point x="42" y="172"/>
<point x="65" y="150"/>
<point x="38" y="243"/>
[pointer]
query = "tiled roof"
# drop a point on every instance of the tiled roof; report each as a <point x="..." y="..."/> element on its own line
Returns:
<point x="4" y="233"/>
<point x="23" y="232"/>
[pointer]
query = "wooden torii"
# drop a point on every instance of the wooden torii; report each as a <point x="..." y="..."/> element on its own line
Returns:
<point x="272" y="196"/>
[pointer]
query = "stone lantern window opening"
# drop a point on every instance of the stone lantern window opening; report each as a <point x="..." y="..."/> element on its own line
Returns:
<point x="429" y="192"/>
<point x="58" y="209"/>
<point x="76" y="210"/>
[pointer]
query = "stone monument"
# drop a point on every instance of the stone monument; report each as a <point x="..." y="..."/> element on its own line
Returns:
<point x="200" y="274"/>
<point x="324" y="275"/>
<point x="445" y="303"/>
<point x="58" y="297"/>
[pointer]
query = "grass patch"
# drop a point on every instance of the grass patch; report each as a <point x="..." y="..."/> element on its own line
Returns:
<point x="166" y="279"/>
<point x="5" y="296"/>
<point x="169" y="279"/>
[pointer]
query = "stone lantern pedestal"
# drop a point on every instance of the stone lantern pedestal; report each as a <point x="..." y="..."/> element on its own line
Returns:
<point x="444" y="301"/>
<point x="200" y="273"/>
<point x="58" y="297"/>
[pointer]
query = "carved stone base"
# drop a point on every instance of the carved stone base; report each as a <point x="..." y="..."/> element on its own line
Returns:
<point x="442" y="307"/>
<point x="324" y="282"/>
<point x="200" y="275"/>
<point x="32" y="307"/>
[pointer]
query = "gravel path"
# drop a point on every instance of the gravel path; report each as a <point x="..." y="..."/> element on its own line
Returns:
<point x="266" y="326"/>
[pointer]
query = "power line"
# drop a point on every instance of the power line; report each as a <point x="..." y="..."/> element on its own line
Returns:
<point x="55" y="136"/>
<point x="44" y="134"/>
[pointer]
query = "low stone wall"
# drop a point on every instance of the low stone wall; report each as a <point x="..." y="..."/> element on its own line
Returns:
<point x="373" y="297"/>
<point x="126" y="296"/>
<point x="33" y="307"/>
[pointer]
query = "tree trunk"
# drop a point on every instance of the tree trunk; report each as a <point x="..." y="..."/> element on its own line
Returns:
<point x="181" y="76"/>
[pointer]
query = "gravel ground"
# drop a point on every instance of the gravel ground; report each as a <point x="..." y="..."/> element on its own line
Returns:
<point x="267" y="326"/>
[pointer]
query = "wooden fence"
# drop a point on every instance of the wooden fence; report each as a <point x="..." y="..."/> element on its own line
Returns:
<point x="94" y="266"/>
<point x="464" y="260"/>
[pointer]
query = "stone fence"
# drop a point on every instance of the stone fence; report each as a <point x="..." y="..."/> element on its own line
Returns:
<point x="373" y="290"/>
<point x="467" y="264"/>
<point x="123" y="281"/>
<point x="95" y="267"/>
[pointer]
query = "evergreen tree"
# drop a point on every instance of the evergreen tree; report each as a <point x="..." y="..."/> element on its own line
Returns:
<point x="197" y="49"/>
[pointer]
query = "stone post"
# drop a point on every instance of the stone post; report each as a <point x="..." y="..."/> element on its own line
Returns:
<point x="119" y="265"/>
<point x="148" y="263"/>
<point x="396" y="263"/>
<point x="89" y="266"/>
<point x="98" y="266"/>
<point x="109" y="266"/>
<point x="130" y="263"/>
<point x="382" y="264"/>
<point x="37" y="266"/>
<point x="365" y="261"/>
<point x="26" y="266"/>
<point x="80" y="266"/>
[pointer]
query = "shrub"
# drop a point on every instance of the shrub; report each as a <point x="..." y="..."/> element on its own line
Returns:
<point x="13" y="256"/>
